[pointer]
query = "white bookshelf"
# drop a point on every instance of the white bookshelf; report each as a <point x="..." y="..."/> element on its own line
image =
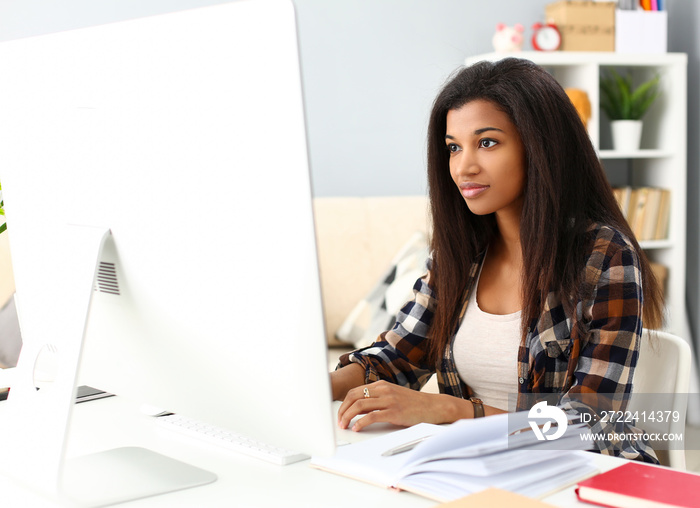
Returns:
<point x="661" y="161"/>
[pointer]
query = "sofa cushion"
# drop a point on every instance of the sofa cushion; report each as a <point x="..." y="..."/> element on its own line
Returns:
<point x="376" y="312"/>
<point x="357" y="239"/>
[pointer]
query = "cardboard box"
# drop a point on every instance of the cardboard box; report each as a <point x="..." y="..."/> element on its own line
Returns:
<point x="584" y="25"/>
<point x="641" y="31"/>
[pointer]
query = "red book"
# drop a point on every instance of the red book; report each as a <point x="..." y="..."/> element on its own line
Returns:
<point x="635" y="484"/>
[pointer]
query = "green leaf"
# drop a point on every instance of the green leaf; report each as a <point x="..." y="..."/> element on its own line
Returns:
<point x="644" y="106"/>
<point x="621" y="101"/>
<point x="645" y="89"/>
<point x="610" y="98"/>
<point x="644" y="97"/>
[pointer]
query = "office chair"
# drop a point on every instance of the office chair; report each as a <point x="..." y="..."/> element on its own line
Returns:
<point x="661" y="382"/>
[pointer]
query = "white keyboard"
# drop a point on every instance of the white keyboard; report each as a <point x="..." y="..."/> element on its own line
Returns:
<point x="230" y="440"/>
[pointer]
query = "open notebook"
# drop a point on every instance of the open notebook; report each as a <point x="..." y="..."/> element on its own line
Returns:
<point x="466" y="457"/>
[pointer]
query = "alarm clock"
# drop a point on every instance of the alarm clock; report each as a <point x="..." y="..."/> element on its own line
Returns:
<point x="546" y="37"/>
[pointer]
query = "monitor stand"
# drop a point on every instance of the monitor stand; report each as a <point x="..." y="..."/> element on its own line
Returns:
<point x="124" y="474"/>
<point x="35" y="423"/>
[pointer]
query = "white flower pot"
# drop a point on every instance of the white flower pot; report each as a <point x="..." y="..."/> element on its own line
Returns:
<point x="626" y="134"/>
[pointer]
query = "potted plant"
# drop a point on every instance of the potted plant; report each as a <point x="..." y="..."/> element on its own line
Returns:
<point x="625" y="106"/>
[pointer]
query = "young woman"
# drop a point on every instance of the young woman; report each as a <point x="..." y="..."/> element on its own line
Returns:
<point x="536" y="285"/>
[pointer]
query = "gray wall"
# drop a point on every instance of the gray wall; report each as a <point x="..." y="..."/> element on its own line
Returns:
<point x="370" y="71"/>
<point x="684" y="22"/>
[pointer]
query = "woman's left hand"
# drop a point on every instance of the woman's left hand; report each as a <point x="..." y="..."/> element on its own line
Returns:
<point x="390" y="403"/>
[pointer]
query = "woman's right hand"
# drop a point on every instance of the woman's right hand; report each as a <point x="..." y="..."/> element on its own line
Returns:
<point x="399" y="405"/>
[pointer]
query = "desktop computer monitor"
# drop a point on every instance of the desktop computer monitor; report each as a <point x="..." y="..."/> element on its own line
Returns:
<point x="170" y="152"/>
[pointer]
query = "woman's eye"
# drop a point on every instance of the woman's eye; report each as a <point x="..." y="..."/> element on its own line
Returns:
<point x="452" y="148"/>
<point x="487" y="143"/>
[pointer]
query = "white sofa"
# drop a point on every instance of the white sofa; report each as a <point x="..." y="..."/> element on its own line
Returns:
<point x="357" y="241"/>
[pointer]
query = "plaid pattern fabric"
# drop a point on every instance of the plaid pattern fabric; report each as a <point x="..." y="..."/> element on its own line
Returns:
<point x="575" y="356"/>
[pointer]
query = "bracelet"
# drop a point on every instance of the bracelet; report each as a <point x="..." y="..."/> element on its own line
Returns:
<point x="478" y="406"/>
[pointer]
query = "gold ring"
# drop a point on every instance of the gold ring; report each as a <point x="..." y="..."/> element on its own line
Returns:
<point x="366" y="392"/>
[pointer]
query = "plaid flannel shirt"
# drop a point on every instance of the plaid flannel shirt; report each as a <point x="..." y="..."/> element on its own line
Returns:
<point x="588" y="355"/>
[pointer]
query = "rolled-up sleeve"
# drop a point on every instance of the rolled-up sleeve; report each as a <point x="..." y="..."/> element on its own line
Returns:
<point x="399" y="355"/>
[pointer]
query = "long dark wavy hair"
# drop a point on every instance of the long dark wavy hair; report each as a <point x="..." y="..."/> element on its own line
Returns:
<point x="566" y="191"/>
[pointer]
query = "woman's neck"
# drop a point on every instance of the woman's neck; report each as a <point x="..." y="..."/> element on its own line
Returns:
<point x="500" y="284"/>
<point x="507" y="241"/>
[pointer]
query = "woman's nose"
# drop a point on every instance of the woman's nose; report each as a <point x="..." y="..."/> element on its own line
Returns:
<point x="467" y="165"/>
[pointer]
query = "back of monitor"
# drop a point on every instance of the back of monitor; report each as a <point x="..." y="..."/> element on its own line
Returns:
<point x="174" y="149"/>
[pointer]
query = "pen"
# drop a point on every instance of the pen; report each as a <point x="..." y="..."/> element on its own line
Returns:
<point x="404" y="447"/>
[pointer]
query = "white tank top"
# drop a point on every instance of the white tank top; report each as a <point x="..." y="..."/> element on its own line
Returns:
<point x="486" y="353"/>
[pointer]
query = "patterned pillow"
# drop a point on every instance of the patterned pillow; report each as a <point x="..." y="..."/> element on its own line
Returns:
<point x="376" y="312"/>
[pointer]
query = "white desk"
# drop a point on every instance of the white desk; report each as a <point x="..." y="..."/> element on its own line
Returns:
<point x="243" y="481"/>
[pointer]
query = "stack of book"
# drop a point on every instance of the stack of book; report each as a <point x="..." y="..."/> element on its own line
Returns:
<point x="467" y="456"/>
<point x="646" y="210"/>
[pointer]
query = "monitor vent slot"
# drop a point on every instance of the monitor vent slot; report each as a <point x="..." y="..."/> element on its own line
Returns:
<point x="106" y="281"/>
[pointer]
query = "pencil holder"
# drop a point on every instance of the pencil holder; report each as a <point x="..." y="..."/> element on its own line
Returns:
<point x="641" y="31"/>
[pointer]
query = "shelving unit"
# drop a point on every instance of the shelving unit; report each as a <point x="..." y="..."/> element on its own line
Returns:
<point x="661" y="161"/>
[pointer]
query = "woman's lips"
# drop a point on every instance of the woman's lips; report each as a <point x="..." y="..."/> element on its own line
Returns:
<point x="472" y="190"/>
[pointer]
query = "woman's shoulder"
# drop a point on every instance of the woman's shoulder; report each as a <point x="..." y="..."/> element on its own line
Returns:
<point x="605" y="237"/>
<point x="609" y="246"/>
